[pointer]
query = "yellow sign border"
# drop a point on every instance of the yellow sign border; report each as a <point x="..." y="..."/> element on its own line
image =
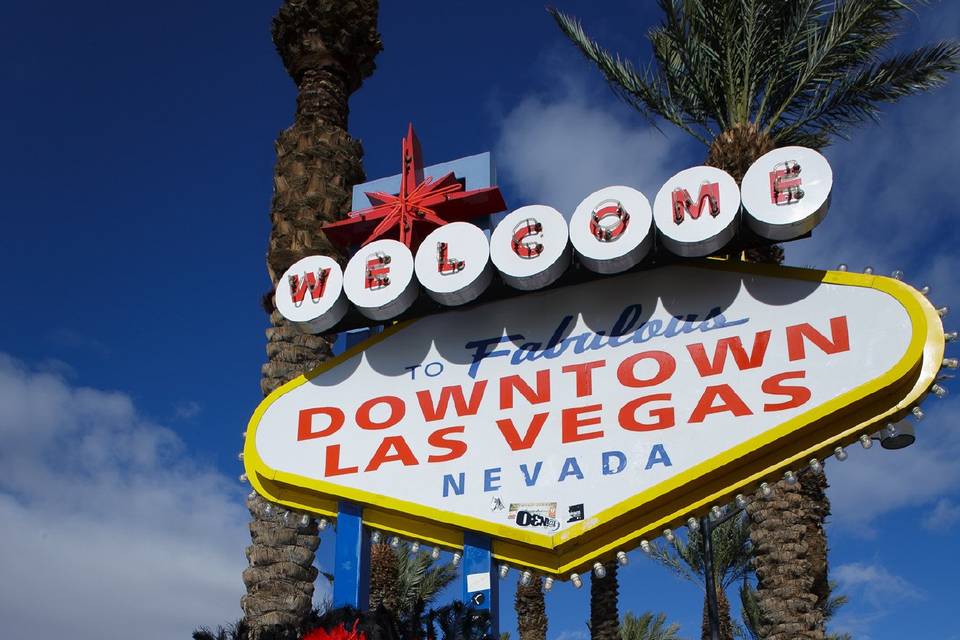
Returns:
<point x="815" y="433"/>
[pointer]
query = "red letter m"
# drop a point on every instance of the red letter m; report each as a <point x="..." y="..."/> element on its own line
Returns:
<point x="682" y="203"/>
<point x="315" y="282"/>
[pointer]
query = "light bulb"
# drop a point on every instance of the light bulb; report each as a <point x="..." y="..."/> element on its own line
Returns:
<point x="668" y="534"/>
<point x="765" y="490"/>
<point x="240" y="456"/>
<point x="395" y="542"/>
<point x="504" y="571"/>
<point x="897" y="275"/>
<point x="304" y="520"/>
<point x="841" y="267"/>
<point x="375" y="537"/>
<point x="322" y="524"/>
<point x="547" y="583"/>
<point x="286" y="517"/>
<point x="435" y="554"/>
<point x="243" y="477"/>
<point x="950" y="336"/>
<point x="599" y="570"/>
<point x="693" y="524"/>
<point x="716" y="512"/>
<point x="457" y="556"/>
<point x="644" y="546"/>
<point x="267" y="509"/>
<point x="622" y="558"/>
<point x="868" y="271"/>
<point x="244" y="435"/>
<point x="940" y="392"/>
<point x="741" y="501"/>
<point x="252" y="495"/>
<point x="790" y="478"/>
<point x="815" y="465"/>
<point x="415" y="546"/>
<point x="925" y="289"/>
<point x="525" y="578"/>
<point x="840" y="453"/>
<point x="865" y="441"/>
<point x="943" y="311"/>
<point x="575" y="579"/>
<point x="951" y="363"/>
<point x="917" y="413"/>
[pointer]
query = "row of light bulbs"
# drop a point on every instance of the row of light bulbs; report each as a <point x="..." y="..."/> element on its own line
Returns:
<point x="891" y="436"/>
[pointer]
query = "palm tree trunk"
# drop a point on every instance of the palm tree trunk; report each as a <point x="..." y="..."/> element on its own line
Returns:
<point x="726" y="622"/>
<point x="531" y="610"/>
<point x="384" y="578"/>
<point x="604" y="605"/>
<point x="790" y="545"/>
<point x="328" y="47"/>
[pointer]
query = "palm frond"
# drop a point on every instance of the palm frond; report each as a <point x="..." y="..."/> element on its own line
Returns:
<point x="421" y="578"/>
<point x="731" y="560"/>
<point x="648" y="626"/>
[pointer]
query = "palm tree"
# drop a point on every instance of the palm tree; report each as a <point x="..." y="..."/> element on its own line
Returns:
<point x="328" y="47"/>
<point x="731" y="564"/>
<point x="744" y="77"/>
<point x="750" y="612"/>
<point x="648" y="627"/>
<point x="604" y="607"/>
<point x="531" y="610"/>
<point x="420" y="579"/>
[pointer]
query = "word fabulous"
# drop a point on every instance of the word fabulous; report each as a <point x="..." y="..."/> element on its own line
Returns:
<point x="784" y="194"/>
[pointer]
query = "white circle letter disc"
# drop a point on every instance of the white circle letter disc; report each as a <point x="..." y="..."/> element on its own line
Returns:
<point x="610" y="229"/>
<point x="379" y="279"/>
<point x="786" y="192"/>
<point x="696" y="211"/>
<point x="310" y="294"/>
<point x="453" y="263"/>
<point x="529" y="247"/>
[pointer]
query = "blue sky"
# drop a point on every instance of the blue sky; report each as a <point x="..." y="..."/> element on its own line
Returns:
<point x="135" y="182"/>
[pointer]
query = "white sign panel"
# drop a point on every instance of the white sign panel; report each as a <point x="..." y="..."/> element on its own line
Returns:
<point x="546" y="413"/>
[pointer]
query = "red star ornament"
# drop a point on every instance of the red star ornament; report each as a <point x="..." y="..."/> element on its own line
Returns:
<point x="422" y="205"/>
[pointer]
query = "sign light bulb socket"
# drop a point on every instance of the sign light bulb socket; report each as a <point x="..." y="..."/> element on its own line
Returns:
<point x="943" y="311"/>
<point x="244" y="435"/>
<point x="868" y="271"/>
<point x="243" y="477"/>
<point x="716" y="512"/>
<point x="840" y="454"/>
<point x="504" y="571"/>
<point x="790" y="478"/>
<point x="950" y="336"/>
<point x="622" y="558"/>
<point x="925" y="289"/>
<point x="951" y="363"/>
<point x="286" y="516"/>
<point x="644" y="546"/>
<point x="267" y="509"/>
<point x="897" y="274"/>
<point x="939" y="391"/>
<point x="375" y="537"/>
<point x="599" y="570"/>
<point x="865" y="441"/>
<point x="322" y="524"/>
<point x="668" y="534"/>
<point x="415" y="547"/>
<point x="240" y="456"/>
<point x="917" y="413"/>
<point x="576" y="580"/>
<point x="457" y="557"/>
<point x="395" y="542"/>
<point x="252" y="495"/>
<point x="842" y="267"/>
<point x="525" y="578"/>
<point x="765" y="490"/>
<point x="304" y="520"/>
<point x="741" y="501"/>
<point x="693" y="524"/>
<point x="815" y="465"/>
<point x="435" y="554"/>
<point x="547" y="583"/>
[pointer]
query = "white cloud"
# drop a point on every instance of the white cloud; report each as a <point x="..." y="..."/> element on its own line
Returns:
<point x="556" y="151"/>
<point x="944" y="515"/>
<point x="187" y="410"/>
<point x="108" y="527"/>
<point x="571" y="634"/>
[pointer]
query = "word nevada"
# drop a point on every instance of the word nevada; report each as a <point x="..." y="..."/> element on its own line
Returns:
<point x="784" y="195"/>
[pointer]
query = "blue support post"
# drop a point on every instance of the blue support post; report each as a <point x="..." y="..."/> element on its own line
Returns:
<point x="351" y="563"/>
<point x="480" y="580"/>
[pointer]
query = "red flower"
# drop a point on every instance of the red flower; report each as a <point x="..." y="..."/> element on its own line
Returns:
<point x="338" y="633"/>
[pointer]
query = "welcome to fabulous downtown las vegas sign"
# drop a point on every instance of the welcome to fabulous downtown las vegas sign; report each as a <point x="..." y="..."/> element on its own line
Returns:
<point x="572" y="423"/>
